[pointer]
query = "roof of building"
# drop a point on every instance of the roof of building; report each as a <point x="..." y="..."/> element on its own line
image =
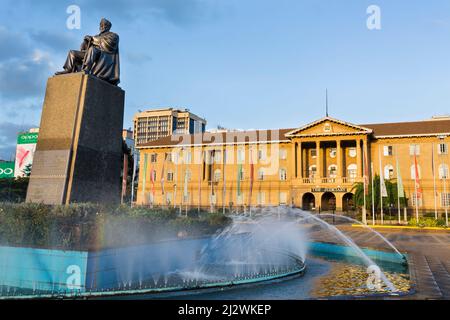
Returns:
<point x="214" y="138"/>
<point x="410" y="128"/>
<point x="416" y="128"/>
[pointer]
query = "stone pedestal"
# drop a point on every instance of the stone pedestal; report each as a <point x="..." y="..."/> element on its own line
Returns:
<point x="79" y="151"/>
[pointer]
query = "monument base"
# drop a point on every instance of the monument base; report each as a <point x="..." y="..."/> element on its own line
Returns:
<point x="78" y="156"/>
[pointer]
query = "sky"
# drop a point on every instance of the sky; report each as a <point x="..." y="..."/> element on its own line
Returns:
<point x="241" y="64"/>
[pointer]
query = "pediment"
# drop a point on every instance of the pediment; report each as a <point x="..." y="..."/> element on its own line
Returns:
<point x="328" y="127"/>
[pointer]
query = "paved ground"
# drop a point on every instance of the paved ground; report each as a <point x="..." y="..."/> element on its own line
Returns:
<point x="429" y="253"/>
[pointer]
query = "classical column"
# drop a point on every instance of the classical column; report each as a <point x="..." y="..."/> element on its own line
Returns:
<point x="339" y="158"/>
<point x="299" y="163"/>
<point x="318" y="161"/>
<point x="293" y="160"/>
<point x="366" y="156"/>
<point x="358" y="158"/>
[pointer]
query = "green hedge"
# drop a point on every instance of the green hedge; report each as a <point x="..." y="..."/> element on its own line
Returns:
<point x="91" y="227"/>
<point x="427" y="222"/>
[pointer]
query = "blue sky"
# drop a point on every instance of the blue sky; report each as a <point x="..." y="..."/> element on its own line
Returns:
<point x="239" y="63"/>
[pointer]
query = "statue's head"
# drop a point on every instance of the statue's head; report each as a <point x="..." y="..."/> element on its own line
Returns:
<point x="105" y="25"/>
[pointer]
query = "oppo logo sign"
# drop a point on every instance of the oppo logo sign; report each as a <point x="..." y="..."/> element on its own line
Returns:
<point x="6" y="171"/>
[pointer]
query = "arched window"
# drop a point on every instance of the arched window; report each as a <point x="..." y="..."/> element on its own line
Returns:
<point x="261" y="174"/>
<point x="217" y="175"/>
<point x="413" y="172"/>
<point x="352" y="171"/>
<point x="352" y="152"/>
<point x="443" y="171"/>
<point x="332" y="171"/>
<point x="389" y="172"/>
<point x="283" y="174"/>
<point x="188" y="175"/>
<point x="312" y="171"/>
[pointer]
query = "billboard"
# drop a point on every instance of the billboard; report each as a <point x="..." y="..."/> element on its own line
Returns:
<point x="6" y="170"/>
<point x="26" y="146"/>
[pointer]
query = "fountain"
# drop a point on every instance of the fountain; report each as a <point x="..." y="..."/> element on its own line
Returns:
<point x="269" y="245"/>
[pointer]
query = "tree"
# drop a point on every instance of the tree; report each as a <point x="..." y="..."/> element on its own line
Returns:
<point x="389" y="201"/>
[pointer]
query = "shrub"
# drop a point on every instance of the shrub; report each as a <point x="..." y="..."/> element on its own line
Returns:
<point x="92" y="226"/>
<point x="427" y="222"/>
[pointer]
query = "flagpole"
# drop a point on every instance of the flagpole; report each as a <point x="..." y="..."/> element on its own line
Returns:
<point x="434" y="181"/>
<point x="133" y="178"/>
<point x="416" y="175"/>
<point x="381" y="185"/>
<point x="145" y="179"/>
<point x="224" y="189"/>
<point x="373" y="195"/>
<point x="176" y="180"/>
<point x="200" y="173"/>
<point x="364" y="213"/>
<point x="446" y="199"/>
<point x="398" y="187"/>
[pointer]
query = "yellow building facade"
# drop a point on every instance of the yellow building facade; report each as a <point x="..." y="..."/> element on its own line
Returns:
<point x="311" y="167"/>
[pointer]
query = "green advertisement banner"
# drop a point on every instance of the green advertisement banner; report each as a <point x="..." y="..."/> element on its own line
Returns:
<point x="6" y="170"/>
<point x="27" y="138"/>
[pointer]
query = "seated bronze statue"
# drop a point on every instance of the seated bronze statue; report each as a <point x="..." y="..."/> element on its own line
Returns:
<point x="98" y="55"/>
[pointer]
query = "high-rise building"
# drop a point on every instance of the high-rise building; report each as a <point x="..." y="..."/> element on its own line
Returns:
<point x="151" y="125"/>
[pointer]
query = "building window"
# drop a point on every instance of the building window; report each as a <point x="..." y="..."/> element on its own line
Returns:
<point x="261" y="174"/>
<point x="352" y="152"/>
<point x="217" y="175"/>
<point x="283" y="154"/>
<point x="218" y="156"/>
<point x="283" y="174"/>
<point x="445" y="200"/>
<point x="261" y="198"/>
<point x="283" y="198"/>
<point x="187" y="157"/>
<point x="414" y="149"/>
<point x="443" y="148"/>
<point x="413" y="172"/>
<point x="169" y="157"/>
<point x="332" y="171"/>
<point x="154" y="175"/>
<point x="313" y="153"/>
<point x="261" y="154"/>
<point x="414" y="198"/>
<point x="170" y="176"/>
<point x="153" y="157"/>
<point x="169" y="198"/>
<point x="327" y="127"/>
<point x="333" y="152"/>
<point x="213" y="199"/>
<point x="388" y="151"/>
<point x="241" y="155"/>
<point x="388" y="172"/>
<point x="352" y="171"/>
<point x="188" y="175"/>
<point x="443" y="171"/>
<point x="312" y="171"/>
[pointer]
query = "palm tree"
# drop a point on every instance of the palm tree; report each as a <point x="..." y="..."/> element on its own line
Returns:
<point x="389" y="201"/>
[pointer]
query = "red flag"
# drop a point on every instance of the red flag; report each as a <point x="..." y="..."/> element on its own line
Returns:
<point x="417" y="181"/>
<point x="125" y="176"/>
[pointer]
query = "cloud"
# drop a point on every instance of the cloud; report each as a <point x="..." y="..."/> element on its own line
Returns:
<point x="8" y="138"/>
<point x="24" y="78"/>
<point x="59" y="42"/>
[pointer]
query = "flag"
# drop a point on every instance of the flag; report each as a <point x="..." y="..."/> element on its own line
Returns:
<point x="152" y="179"/>
<point x="162" y="174"/>
<point x="383" y="186"/>
<point x="400" y="189"/>
<point x="125" y="176"/>
<point x="144" y="174"/>
<point x="134" y="175"/>
<point x="366" y="174"/>
<point x="185" y="194"/>
<point x="239" y="177"/>
<point x="417" y="181"/>
<point x="252" y="167"/>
